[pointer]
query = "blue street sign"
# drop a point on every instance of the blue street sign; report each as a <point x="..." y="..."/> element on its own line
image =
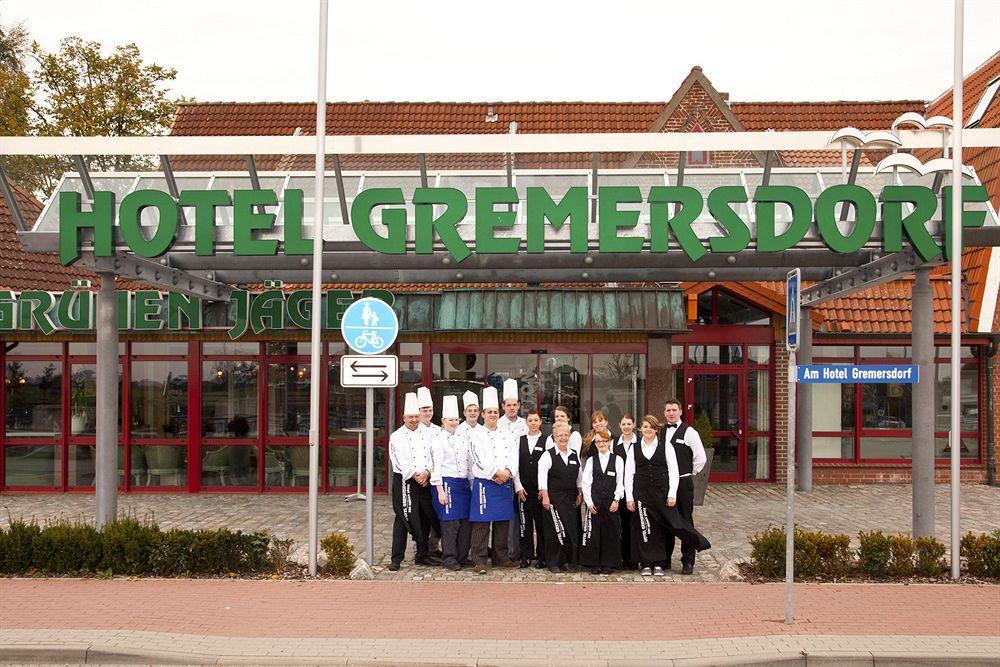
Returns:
<point x="792" y="287"/>
<point x="369" y="326"/>
<point x="846" y="373"/>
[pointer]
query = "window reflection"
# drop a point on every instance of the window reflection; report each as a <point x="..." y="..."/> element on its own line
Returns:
<point x="229" y="399"/>
<point x="288" y="400"/>
<point x="159" y="399"/>
<point x="33" y="399"/>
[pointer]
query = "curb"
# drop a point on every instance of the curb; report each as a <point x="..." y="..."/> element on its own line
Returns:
<point x="91" y="654"/>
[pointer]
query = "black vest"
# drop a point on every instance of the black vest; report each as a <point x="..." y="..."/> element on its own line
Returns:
<point x="652" y="478"/>
<point x="602" y="487"/>
<point x="685" y="455"/>
<point x="527" y="462"/>
<point x="619" y="448"/>
<point x="562" y="476"/>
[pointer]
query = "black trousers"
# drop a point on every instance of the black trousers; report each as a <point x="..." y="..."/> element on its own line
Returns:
<point x="414" y="516"/>
<point x="601" y="542"/>
<point x="456" y="540"/>
<point x="514" y="530"/>
<point x="685" y="507"/>
<point x="481" y="531"/>
<point x="628" y="538"/>
<point x="532" y="531"/>
<point x="562" y="535"/>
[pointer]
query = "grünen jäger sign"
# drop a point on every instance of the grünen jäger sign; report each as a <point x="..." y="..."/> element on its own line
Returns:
<point x="672" y="210"/>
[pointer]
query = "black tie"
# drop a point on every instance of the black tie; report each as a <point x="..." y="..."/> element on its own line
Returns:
<point x="671" y="425"/>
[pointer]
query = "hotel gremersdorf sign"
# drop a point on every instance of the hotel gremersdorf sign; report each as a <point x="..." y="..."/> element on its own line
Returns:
<point x="437" y="212"/>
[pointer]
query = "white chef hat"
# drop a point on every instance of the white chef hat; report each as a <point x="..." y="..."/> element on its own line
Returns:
<point x="490" y="399"/>
<point x="450" y="408"/>
<point x="470" y="398"/>
<point x="424" y="399"/>
<point x="510" y="390"/>
<point x="410" y="404"/>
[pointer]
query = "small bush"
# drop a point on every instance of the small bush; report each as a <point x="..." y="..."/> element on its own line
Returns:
<point x="901" y="556"/>
<point x="981" y="554"/>
<point x="19" y="543"/>
<point x="279" y="552"/>
<point x="818" y="553"/>
<point x="929" y="559"/>
<point x="874" y="553"/>
<point x="340" y="554"/>
<point x="767" y="553"/>
<point x="68" y="548"/>
<point x="129" y="545"/>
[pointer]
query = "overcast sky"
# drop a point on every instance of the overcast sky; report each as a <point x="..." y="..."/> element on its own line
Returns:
<point x="538" y="50"/>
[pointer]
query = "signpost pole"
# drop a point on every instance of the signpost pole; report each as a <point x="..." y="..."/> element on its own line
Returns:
<point x="317" y="287"/>
<point x="369" y="476"/>
<point x="957" y="114"/>
<point x="793" y="287"/>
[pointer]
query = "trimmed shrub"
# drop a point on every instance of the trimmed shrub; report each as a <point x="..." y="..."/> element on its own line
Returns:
<point x="819" y="553"/>
<point x="68" y="548"/>
<point x="128" y="545"/>
<point x="981" y="554"/>
<point x="929" y="556"/>
<point x="874" y="553"/>
<point x="901" y="556"/>
<point x="767" y="553"/>
<point x="19" y="544"/>
<point x="340" y="554"/>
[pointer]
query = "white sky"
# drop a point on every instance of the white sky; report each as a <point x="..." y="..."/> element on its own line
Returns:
<point x="537" y="50"/>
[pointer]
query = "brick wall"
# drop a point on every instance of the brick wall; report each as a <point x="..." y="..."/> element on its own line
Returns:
<point x="780" y="401"/>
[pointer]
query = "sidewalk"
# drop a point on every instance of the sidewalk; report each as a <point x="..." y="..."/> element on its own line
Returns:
<point x="341" y="622"/>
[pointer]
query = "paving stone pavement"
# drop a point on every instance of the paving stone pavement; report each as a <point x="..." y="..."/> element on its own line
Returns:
<point x="731" y="513"/>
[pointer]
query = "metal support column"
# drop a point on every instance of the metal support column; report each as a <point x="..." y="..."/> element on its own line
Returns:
<point x="804" y="406"/>
<point x="106" y="472"/>
<point x="922" y="340"/>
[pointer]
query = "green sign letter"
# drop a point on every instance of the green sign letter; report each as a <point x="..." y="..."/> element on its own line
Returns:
<point x="541" y="207"/>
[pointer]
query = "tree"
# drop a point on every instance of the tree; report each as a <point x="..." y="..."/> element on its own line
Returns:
<point x="78" y="91"/>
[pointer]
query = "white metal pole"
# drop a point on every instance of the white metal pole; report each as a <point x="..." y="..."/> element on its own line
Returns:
<point x="317" y="293"/>
<point x="956" y="283"/>
<point x="790" y="493"/>
<point x="369" y="475"/>
<point x="106" y="436"/>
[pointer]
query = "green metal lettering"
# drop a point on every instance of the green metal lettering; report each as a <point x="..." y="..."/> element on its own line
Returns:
<point x="970" y="193"/>
<point x="610" y="219"/>
<point x="148" y="307"/>
<point x="661" y="224"/>
<point x="394" y="220"/>
<point x="101" y="218"/>
<point x="864" y="217"/>
<point x="204" y="203"/>
<point x="124" y="309"/>
<point x="337" y="301"/>
<point x="76" y="310"/>
<point x="292" y="217"/>
<point x="182" y="306"/>
<point x="455" y="207"/>
<point x="267" y="311"/>
<point x="8" y="311"/>
<point x="299" y="308"/>
<point x="246" y="220"/>
<point x="914" y="224"/>
<point x="719" y="205"/>
<point x="34" y="308"/>
<point x="488" y="219"/>
<point x="241" y="320"/>
<point x="764" y="199"/>
<point x="130" y="216"/>
<point x="541" y="207"/>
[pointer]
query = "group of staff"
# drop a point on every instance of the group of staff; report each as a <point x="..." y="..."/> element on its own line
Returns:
<point x="505" y="491"/>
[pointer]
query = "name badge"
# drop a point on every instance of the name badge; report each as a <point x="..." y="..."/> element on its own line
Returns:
<point x="611" y="473"/>
<point x="537" y="449"/>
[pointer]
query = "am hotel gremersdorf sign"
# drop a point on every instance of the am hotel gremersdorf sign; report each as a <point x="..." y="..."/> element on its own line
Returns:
<point x="672" y="210"/>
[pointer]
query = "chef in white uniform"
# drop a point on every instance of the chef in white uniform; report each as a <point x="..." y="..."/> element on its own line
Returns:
<point x="451" y="477"/>
<point x="513" y="422"/>
<point x="411" y="498"/>
<point x="470" y="402"/>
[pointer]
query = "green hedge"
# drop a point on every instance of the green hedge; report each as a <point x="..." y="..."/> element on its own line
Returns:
<point x="824" y="555"/>
<point x="128" y="546"/>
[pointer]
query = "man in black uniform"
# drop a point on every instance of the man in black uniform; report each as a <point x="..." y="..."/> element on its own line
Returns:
<point x="691" y="458"/>
<point x="530" y="448"/>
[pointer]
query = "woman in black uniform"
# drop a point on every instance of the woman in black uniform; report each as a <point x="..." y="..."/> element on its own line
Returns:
<point x="623" y="448"/>
<point x="651" y="480"/>
<point x="559" y="479"/>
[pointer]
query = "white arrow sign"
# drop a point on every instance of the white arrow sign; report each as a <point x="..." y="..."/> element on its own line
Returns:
<point x="369" y="370"/>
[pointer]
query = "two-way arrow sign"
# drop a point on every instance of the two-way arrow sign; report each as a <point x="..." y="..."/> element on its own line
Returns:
<point x="369" y="370"/>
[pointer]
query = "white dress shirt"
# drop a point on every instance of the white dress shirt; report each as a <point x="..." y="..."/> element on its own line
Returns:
<point x="408" y="451"/>
<point x="492" y="451"/>
<point x="532" y="441"/>
<point x="545" y="464"/>
<point x="627" y="446"/>
<point x="648" y="449"/>
<point x="588" y="474"/>
<point x="693" y="440"/>
<point x="517" y="428"/>
<point x="450" y="456"/>
<point x="575" y="442"/>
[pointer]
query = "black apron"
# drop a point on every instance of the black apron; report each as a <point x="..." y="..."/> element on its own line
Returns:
<point x="562" y="533"/>
<point x="627" y="518"/>
<point x="531" y="511"/>
<point x="600" y="544"/>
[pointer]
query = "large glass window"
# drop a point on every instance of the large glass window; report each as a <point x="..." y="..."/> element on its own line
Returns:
<point x="33" y="395"/>
<point x="33" y="465"/>
<point x="159" y="393"/>
<point x="521" y="367"/>
<point x="345" y="408"/>
<point x="229" y="465"/>
<point x="229" y="399"/>
<point x="619" y="382"/>
<point x="886" y="406"/>
<point x="288" y="399"/>
<point x="159" y="465"/>
<point x="83" y="399"/>
<point x="565" y="381"/>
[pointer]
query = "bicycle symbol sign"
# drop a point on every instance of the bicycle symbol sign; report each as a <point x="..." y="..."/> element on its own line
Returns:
<point x="369" y="326"/>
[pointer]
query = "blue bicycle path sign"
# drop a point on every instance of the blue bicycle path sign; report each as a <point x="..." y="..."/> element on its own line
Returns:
<point x="369" y="326"/>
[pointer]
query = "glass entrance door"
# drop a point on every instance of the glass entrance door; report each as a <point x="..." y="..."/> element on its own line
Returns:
<point x="718" y="394"/>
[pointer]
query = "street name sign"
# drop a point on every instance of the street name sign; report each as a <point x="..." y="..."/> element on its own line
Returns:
<point x="369" y="370"/>
<point x="848" y="373"/>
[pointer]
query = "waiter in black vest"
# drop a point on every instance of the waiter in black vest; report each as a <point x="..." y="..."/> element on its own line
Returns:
<point x="530" y="447"/>
<point x="690" y="460"/>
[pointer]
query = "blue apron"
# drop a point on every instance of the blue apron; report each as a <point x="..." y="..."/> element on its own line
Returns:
<point x="491" y="501"/>
<point x="458" y="494"/>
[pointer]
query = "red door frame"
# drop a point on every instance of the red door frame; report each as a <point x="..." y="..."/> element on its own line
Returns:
<point x="741" y="408"/>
